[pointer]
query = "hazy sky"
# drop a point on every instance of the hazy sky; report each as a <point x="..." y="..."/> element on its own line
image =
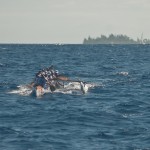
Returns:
<point x="70" y="21"/>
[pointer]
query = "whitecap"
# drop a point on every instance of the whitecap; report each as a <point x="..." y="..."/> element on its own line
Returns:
<point x="124" y="73"/>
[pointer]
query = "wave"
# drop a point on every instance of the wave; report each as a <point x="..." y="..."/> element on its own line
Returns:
<point x="1" y="65"/>
<point x="123" y="73"/>
<point x="3" y="48"/>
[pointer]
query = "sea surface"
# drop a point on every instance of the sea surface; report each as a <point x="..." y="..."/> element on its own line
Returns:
<point x="113" y="115"/>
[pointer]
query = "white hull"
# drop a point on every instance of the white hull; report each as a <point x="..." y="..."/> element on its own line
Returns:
<point x="39" y="91"/>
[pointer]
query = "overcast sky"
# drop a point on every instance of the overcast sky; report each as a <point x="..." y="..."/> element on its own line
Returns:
<point x="70" y="21"/>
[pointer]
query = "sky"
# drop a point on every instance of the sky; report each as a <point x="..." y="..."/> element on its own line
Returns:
<point x="70" y="21"/>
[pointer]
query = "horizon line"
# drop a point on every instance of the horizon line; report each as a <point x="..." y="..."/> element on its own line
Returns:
<point x="70" y="44"/>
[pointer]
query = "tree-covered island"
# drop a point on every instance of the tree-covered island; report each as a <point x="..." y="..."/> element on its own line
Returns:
<point x="115" y="39"/>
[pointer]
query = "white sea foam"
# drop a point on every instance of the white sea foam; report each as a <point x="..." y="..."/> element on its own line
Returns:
<point x="70" y="88"/>
<point x="123" y="73"/>
<point x="22" y="90"/>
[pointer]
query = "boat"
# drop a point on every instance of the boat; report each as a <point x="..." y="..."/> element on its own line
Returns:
<point x="39" y="90"/>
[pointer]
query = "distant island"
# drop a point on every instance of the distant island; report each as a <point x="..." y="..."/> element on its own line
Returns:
<point x="115" y="39"/>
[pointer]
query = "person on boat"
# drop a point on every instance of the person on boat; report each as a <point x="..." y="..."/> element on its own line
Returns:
<point x="48" y="77"/>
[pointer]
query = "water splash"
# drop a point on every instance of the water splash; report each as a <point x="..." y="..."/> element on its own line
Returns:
<point x="22" y="90"/>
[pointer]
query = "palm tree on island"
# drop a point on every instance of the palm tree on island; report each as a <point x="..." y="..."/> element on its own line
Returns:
<point x="115" y="39"/>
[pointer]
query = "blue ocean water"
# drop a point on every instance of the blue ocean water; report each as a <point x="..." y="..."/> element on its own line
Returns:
<point x="114" y="114"/>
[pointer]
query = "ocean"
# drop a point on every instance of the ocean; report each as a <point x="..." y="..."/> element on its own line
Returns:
<point x="113" y="115"/>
